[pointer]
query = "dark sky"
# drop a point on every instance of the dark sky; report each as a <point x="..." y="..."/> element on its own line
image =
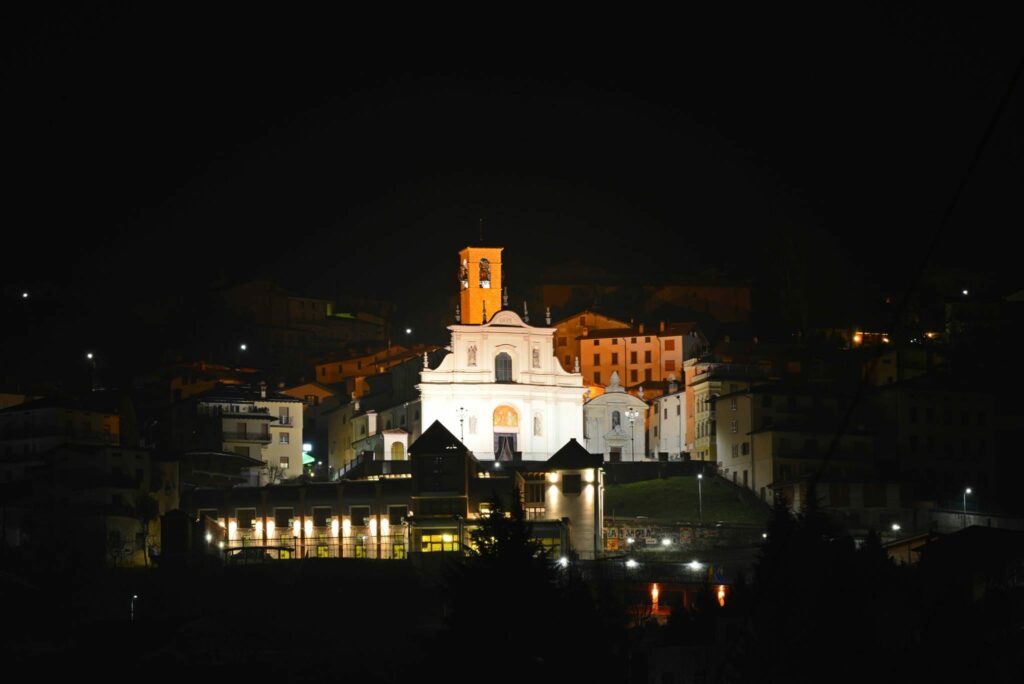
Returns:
<point x="163" y="148"/>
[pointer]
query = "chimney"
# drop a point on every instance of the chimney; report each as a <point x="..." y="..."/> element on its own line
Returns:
<point x="661" y="326"/>
<point x="641" y="328"/>
<point x="263" y="389"/>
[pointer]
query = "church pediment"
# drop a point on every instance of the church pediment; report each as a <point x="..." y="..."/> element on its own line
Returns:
<point x="507" y="318"/>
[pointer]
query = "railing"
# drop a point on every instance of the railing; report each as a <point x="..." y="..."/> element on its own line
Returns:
<point x="285" y="420"/>
<point x="246" y="437"/>
<point x="351" y="465"/>
<point x="221" y="411"/>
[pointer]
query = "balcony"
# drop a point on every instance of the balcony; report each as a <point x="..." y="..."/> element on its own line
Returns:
<point x="286" y="421"/>
<point x="261" y="438"/>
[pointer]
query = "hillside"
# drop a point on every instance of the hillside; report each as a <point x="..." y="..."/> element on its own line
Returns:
<point x="674" y="499"/>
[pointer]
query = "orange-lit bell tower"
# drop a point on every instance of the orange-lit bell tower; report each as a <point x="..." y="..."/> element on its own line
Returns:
<point x="479" y="283"/>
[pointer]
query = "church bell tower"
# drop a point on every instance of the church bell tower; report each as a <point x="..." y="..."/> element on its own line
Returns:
<point x="479" y="283"/>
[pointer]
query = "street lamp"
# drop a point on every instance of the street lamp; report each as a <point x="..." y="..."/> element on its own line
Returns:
<point x="461" y="412"/>
<point x="700" y="498"/>
<point x="966" y="492"/>
<point x="243" y="346"/>
<point x="131" y="616"/>
<point x="631" y="416"/>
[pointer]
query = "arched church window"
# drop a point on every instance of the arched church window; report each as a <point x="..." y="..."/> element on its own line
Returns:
<point x="616" y="419"/>
<point x="503" y="368"/>
<point x="485" y="273"/>
<point x="464" y="274"/>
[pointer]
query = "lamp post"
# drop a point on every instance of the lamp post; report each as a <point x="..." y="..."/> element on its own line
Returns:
<point x="700" y="498"/>
<point x="131" y="614"/>
<point x="679" y="409"/>
<point x="461" y="412"/>
<point x="966" y="492"/>
<point x="631" y="415"/>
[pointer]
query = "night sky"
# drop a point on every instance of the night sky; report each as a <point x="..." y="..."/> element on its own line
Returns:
<point x="150" y="151"/>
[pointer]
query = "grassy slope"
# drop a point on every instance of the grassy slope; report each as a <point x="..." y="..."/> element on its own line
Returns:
<point x="674" y="499"/>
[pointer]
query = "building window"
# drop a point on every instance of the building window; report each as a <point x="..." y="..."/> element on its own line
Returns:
<point x="615" y="358"/>
<point x="245" y="518"/>
<point x="438" y="541"/>
<point x="632" y="356"/>
<point x="283" y="519"/>
<point x="647" y="340"/>
<point x="648" y="374"/>
<point x="670" y="365"/>
<point x="732" y="403"/>
<point x="359" y="515"/>
<point x="397" y="514"/>
<point x="670" y="345"/>
<point x="665" y="413"/>
<point x="633" y="375"/>
<point x="597" y="359"/>
<point x="534" y="493"/>
<point x="572" y="484"/>
<point x="733" y="427"/>
<point x="285" y="461"/>
<point x="745" y="448"/>
<point x="321" y="516"/>
<point x="283" y="439"/>
<point x="735" y="453"/>
<point x="647" y="356"/>
<point x="597" y="377"/>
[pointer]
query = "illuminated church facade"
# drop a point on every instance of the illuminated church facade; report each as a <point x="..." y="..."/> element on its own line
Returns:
<point x="501" y="388"/>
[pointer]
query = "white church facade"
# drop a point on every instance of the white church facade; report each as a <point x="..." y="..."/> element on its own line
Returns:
<point x="501" y="389"/>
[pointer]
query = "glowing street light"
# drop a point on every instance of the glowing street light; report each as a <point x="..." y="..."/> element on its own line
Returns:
<point x="408" y="331"/>
<point x="966" y="492"/>
<point x="631" y="564"/>
<point x="24" y="295"/>
<point x="563" y="561"/>
<point x="695" y="565"/>
<point x="896" y="527"/>
<point x="631" y="415"/>
<point x="243" y="346"/>
<point x="132" y="611"/>
<point x="700" y="498"/>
